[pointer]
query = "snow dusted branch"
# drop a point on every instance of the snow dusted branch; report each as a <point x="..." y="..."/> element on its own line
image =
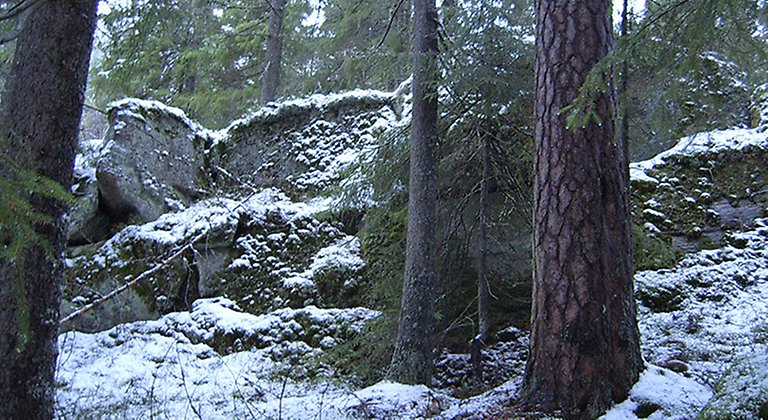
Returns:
<point x="131" y="283"/>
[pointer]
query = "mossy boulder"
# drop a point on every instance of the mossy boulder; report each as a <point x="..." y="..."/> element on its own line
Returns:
<point x="301" y="145"/>
<point x="150" y="162"/>
<point x="693" y="195"/>
<point x="264" y="252"/>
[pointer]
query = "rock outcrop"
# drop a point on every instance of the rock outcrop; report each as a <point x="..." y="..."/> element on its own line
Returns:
<point x="154" y="160"/>
<point x="150" y="163"/>
<point x="709" y="185"/>
<point x="157" y="181"/>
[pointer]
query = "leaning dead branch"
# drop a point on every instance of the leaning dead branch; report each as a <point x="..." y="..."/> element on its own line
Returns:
<point x="106" y="298"/>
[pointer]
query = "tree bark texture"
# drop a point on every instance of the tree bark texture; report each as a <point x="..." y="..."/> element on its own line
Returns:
<point x="584" y="348"/>
<point x="39" y="125"/>
<point x="412" y="359"/>
<point x="273" y="57"/>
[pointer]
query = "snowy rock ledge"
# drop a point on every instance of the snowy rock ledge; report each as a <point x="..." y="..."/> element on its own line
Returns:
<point x="707" y="186"/>
<point x="265" y="252"/>
<point x="154" y="159"/>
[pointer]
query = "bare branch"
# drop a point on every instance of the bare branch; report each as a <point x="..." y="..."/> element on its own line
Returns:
<point x="132" y="283"/>
<point x="19" y="8"/>
<point x="391" y="21"/>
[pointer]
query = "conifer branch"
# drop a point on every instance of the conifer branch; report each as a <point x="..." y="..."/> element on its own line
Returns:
<point x="22" y="10"/>
<point x="391" y="21"/>
<point x="19" y="8"/>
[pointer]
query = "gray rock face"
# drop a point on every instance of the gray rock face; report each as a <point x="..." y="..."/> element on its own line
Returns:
<point x="151" y="161"/>
<point x="159" y="173"/>
<point x="264" y="252"/>
<point x="155" y="160"/>
<point x="301" y="145"/>
<point x="86" y="223"/>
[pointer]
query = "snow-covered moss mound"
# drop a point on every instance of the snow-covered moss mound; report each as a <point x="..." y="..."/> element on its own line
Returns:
<point x="212" y="362"/>
<point x="710" y="310"/>
<point x="743" y="392"/>
<point x="265" y="252"/>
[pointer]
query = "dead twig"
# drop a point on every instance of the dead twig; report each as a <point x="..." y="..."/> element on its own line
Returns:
<point x="126" y="286"/>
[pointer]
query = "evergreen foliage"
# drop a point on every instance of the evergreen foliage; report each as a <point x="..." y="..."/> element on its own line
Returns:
<point x="205" y="56"/>
<point x="18" y="217"/>
<point x="365" y="44"/>
<point x="693" y="65"/>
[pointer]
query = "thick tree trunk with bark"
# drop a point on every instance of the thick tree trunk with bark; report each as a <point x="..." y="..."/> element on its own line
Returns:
<point x="584" y="349"/>
<point x="273" y="57"/>
<point x="412" y="359"/>
<point x="39" y="126"/>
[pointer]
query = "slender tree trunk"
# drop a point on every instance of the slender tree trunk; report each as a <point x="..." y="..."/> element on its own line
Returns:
<point x="483" y="290"/>
<point x="38" y="127"/>
<point x="412" y="359"/>
<point x="273" y="58"/>
<point x="584" y="348"/>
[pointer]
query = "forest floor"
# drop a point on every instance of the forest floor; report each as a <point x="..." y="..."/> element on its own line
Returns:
<point x="155" y="369"/>
<point x="699" y="321"/>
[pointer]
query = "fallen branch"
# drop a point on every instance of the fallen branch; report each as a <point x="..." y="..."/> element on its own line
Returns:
<point x="126" y="286"/>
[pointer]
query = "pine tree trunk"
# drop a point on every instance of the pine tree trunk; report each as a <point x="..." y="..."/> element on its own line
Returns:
<point x="39" y="126"/>
<point x="273" y="57"/>
<point x="412" y="359"/>
<point x="584" y="348"/>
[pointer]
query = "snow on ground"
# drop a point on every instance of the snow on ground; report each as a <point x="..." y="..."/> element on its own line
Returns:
<point x="709" y="311"/>
<point x="190" y="365"/>
<point x="219" y="362"/>
<point x="663" y="394"/>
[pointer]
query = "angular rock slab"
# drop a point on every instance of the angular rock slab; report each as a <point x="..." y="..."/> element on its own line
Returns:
<point x="151" y="162"/>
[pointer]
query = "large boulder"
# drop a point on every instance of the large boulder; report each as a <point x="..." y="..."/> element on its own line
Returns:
<point x="155" y="160"/>
<point x="151" y="161"/>
<point x="303" y="145"/>
<point x="706" y="187"/>
<point x="265" y="252"/>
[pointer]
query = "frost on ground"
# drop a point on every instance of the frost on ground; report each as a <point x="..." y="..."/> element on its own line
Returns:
<point x="214" y="362"/>
<point x="218" y="362"/>
<point x="704" y="323"/>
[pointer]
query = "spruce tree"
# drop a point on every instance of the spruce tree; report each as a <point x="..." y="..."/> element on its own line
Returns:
<point x="39" y="122"/>
<point x="412" y="359"/>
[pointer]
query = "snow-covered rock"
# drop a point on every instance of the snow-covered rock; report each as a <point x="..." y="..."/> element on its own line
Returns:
<point x="155" y="160"/>
<point x="158" y="169"/>
<point x="265" y="252"/>
<point x="150" y="162"/>
<point x="706" y="186"/>
<point x="743" y="392"/>
<point x="302" y="145"/>
<point x="213" y="362"/>
<point x="709" y="311"/>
